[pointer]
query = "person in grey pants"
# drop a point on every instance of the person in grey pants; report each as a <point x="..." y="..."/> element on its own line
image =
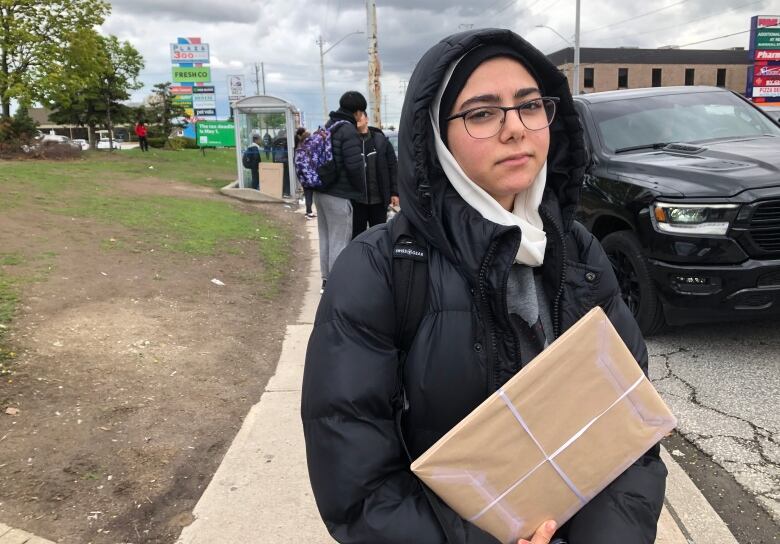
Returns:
<point x="334" y="230"/>
<point x="334" y="209"/>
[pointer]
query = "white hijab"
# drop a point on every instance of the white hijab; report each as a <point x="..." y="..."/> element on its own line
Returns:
<point x="525" y="213"/>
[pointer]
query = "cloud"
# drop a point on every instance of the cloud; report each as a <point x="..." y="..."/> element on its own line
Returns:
<point x="282" y="34"/>
<point x="204" y="11"/>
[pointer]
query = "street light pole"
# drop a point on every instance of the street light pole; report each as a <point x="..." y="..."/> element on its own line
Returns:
<point x="322" y="69"/>
<point x="575" y="72"/>
<point x="576" y="78"/>
<point x="322" y="81"/>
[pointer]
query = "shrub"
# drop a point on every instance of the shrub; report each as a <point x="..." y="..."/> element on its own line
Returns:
<point x="157" y="142"/>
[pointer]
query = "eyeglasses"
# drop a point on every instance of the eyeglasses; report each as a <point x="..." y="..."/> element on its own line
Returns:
<point x="486" y="121"/>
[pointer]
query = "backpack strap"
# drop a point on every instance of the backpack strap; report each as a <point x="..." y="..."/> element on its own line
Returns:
<point x="410" y="292"/>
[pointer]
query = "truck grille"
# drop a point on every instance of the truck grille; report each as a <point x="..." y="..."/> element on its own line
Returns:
<point x="765" y="226"/>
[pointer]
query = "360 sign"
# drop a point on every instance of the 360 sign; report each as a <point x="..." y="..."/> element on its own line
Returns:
<point x="191" y="75"/>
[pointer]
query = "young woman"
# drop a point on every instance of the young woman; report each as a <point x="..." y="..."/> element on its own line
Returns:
<point x="490" y="165"/>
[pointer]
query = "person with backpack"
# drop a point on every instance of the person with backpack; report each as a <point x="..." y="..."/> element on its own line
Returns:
<point x="333" y="198"/>
<point x="381" y="189"/>
<point x="308" y="193"/>
<point x="251" y="161"/>
<point x="428" y="315"/>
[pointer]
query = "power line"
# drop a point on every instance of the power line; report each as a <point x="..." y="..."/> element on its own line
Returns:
<point x="686" y="23"/>
<point x="716" y="38"/>
<point x="635" y="17"/>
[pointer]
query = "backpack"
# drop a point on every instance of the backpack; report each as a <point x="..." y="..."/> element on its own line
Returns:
<point x="313" y="159"/>
<point x="410" y="296"/>
<point x="250" y="157"/>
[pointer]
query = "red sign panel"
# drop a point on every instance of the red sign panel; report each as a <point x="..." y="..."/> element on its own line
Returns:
<point x="762" y="54"/>
<point x="181" y="89"/>
<point x="766" y="71"/>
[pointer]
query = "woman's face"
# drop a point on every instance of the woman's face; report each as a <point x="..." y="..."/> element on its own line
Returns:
<point x="507" y="163"/>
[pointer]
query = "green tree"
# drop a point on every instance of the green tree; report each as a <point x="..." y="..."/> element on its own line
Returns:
<point x="33" y="35"/>
<point x="165" y="112"/>
<point x="93" y="83"/>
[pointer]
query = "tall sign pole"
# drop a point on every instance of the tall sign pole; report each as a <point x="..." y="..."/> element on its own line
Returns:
<point x="576" y="78"/>
<point x="374" y="70"/>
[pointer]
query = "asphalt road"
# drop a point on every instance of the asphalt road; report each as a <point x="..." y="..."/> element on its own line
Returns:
<point x="723" y="383"/>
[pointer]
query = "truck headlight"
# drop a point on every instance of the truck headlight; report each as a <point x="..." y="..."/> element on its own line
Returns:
<point x="693" y="219"/>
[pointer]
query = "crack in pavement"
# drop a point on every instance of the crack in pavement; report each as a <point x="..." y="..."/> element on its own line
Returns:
<point x="763" y="439"/>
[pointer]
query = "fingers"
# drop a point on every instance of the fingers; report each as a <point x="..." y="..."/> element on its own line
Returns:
<point x="543" y="534"/>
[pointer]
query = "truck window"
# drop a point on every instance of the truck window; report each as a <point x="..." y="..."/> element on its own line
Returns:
<point x="690" y="117"/>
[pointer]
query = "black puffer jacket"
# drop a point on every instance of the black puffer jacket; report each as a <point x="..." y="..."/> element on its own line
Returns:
<point x="386" y="165"/>
<point x="348" y="156"/>
<point x="465" y="347"/>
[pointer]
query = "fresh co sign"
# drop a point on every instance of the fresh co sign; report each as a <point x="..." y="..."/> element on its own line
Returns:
<point x="193" y="75"/>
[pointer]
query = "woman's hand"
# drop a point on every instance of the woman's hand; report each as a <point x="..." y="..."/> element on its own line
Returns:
<point x="542" y="535"/>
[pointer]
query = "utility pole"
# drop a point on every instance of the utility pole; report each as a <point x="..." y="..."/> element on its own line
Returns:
<point x="576" y="78"/>
<point x="374" y="70"/>
<point x="262" y="71"/>
<point x="322" y="81"/>
<point x="322" y="68"/>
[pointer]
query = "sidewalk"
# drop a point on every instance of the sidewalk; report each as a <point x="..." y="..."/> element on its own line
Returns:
<point x="260" y="493"/>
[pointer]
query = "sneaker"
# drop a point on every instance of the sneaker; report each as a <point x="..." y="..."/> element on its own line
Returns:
<point x="311" y="215"/>
<point x="322" y="289"/>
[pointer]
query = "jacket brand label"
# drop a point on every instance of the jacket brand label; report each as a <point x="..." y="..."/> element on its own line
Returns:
<point x="410" y="252"/>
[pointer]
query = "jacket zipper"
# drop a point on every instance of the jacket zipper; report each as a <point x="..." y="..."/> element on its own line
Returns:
<point x="557" y="300"/>
<point x="492" y="369"/>
<point x="365" y="168"/>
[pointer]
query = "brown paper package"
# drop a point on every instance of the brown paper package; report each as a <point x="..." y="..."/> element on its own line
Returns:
<point x="552" y="437"/>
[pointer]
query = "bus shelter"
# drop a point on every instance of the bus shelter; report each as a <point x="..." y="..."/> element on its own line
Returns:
<point x="273" y="120"/>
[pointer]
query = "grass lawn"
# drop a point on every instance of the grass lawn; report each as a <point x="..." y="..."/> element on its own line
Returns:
<point x="87" y="188"/>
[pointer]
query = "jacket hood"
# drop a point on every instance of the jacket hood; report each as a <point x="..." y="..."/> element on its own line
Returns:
<point x="340" y="115"/>
<point x="429" y="201"/>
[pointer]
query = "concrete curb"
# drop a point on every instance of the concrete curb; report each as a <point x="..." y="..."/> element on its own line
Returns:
<point x="17" y="536"/>
<point x="261" y="491"/>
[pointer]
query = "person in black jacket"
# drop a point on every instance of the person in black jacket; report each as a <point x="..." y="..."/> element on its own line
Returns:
<point x="381" y="189"/>
<point x="334" y="209"/>
<point x="491" y="159"/>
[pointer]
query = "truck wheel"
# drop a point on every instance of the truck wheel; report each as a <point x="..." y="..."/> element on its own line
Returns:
<point x="636" y="286"/>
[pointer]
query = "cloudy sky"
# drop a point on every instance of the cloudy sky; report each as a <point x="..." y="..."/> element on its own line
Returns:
<point x="282" y="34"/>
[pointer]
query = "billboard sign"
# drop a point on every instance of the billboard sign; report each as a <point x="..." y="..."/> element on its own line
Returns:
<point x="180" y="89"/>
<point x="203" y="89"/>
<point x="236" y="87"/>
<point x="764" y="85"/>
<point x="200" y="74"/>
<point x="215" y="134"/>
<point x="182" y="100"/>
<point x="205" y="112"/>
<point x="190" y="52"/>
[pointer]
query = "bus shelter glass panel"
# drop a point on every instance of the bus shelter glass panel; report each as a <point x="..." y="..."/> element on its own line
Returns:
<point x="269" y="129"/>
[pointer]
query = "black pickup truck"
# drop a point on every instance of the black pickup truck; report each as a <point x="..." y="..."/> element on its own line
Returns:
<point x="683" y="190"/>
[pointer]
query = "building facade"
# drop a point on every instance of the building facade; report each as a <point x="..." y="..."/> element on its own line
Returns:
<point x="609" y="69"/>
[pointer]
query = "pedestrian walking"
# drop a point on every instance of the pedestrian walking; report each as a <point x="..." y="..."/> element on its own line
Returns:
<point x="308" y="193"/>
<point x="491" y="162"/>
<point x="141" y="132"/>
<point x="333" y="201"/>
<point x="381" y="170"/>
